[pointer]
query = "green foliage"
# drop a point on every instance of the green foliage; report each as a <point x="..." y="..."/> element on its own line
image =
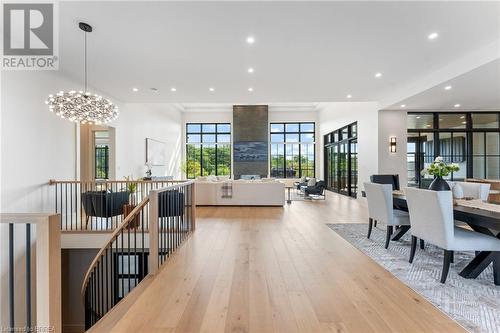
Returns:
<point x="439" y="168"/>
<point x="131" y="187"/>
<point x="195" y="159"/>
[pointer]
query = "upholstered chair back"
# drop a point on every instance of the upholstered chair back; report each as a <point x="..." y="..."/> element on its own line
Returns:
<point x="431" y="216"/>
<point x="474" y="190"/>
<point x="379" y="198"/>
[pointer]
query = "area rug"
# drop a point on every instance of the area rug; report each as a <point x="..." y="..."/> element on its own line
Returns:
<point x="473" y="303"/>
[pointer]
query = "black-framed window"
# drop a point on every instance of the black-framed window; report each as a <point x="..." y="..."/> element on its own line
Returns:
<point x="208" y="149"/>
<point x="292" y="149"/>
<point x="341" y="160"/>
<point x="470" y="139"/>
<point x="101" y="154"/>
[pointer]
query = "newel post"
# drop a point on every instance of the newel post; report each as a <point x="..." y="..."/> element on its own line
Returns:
<point x="153" y="232"/>
<point x="48" y="274"/>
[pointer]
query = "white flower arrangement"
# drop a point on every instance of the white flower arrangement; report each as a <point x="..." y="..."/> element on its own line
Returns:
<point x="439" y="168"/>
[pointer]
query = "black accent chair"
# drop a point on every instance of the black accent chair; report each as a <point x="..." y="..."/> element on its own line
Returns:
<point x="317" y="190"/>
<point x="386" y="179"/>
<point x="171" y="203"/>
<point x="103" y="204"/>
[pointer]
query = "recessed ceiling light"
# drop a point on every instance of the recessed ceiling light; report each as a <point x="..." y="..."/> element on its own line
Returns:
<point x="250" y="70"/>
<point x="155" y="90"/>
<point x="427" y="125"/>
<point x="349" y="96"/>
<point x="135" y="89"/>
<point x="457" y="106"/>
<point x="464" y="122"/>
<point x="433" y="35"/>
<point x="418" y="117"/>
<point x="462" y="117"/>
<point x="173" y="89"/>
<point x="211" y="89"/>
<point x="250" y="39"/>
<point x="250" y="89"/>
<point x="403" y="105"/>
<point x="448" y="88"/>
<point x="377" y="75"/>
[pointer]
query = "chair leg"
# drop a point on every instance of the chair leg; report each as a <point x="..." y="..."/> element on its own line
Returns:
<point x="422" y="244"/>
<point x="496" y="268"/>
<point x="446" y="265"/>
<point x="452" y="257"/>
<point x="388" y="235"/>
<point x="375" y="223"/>
<point x="370" y="225"/>
<point x="413" y="248"/>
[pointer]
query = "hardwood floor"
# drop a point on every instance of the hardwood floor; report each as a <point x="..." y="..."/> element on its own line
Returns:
<point x="258" y="269"/>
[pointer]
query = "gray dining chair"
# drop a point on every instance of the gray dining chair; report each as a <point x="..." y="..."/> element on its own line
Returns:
<point x="431" y="216"/>
<point x="380" y="208"/>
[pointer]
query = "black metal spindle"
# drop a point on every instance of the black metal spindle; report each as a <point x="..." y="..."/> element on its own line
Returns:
<point x="11" y="275"/>
<point x="28" y="275"/>
<point x="128" y="252"/>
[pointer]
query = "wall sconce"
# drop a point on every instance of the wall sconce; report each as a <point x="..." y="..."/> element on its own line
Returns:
<point x="392" y="144"/>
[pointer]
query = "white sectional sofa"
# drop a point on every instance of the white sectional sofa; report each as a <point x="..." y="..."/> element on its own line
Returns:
<point x="240" y="193"/>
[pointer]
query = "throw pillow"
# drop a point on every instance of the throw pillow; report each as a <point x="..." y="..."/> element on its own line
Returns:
<point x="311" y="182"/>
<point x="212" y="178"/>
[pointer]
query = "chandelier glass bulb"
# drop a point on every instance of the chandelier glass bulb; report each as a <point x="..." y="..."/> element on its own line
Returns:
<point x="84" y="107"/>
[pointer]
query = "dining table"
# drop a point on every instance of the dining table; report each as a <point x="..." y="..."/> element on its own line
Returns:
<point x="483" y="217"/>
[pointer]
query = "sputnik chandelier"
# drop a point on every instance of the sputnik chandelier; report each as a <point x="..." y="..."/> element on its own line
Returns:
<point x="83" y="106"/>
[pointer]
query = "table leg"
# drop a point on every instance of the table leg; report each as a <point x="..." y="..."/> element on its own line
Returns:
<point x="400" y="232"/>
<point x="289" y="201"/>
<point x="482" y="260"/>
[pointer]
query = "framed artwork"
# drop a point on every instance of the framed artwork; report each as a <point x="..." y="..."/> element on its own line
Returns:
<point x="155" y="152"/>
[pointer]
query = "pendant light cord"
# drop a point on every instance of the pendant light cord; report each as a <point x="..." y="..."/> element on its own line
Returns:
<point x="85" y="60"/>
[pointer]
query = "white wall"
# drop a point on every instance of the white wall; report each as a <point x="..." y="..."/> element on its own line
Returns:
<point x="139" y="121"/>
<point x="36" y="145"/>
<point x="333" y="116"/>
<point x="392" y="123"/>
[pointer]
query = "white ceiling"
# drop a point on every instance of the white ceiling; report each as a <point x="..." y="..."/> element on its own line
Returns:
<point x="478" y="89"/>
<point x="304" y="52"/>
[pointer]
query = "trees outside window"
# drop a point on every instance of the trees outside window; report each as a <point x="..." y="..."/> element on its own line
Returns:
<point x="208" y="149"/>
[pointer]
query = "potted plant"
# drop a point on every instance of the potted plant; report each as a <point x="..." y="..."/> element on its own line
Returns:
<point x="131" y="188"/>
<point x="440" y="169"/>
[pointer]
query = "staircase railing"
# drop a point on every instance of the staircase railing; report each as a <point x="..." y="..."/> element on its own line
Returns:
<point x="152" y="231"/>
<point x="99" y="204"/>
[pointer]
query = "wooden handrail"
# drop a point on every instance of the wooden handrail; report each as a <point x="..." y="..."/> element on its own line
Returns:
<point x="130" y="217"/>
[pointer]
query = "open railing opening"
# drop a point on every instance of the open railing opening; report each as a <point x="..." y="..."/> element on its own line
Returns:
<point x="150" y="233"/>
<point x="100" y="204"/>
